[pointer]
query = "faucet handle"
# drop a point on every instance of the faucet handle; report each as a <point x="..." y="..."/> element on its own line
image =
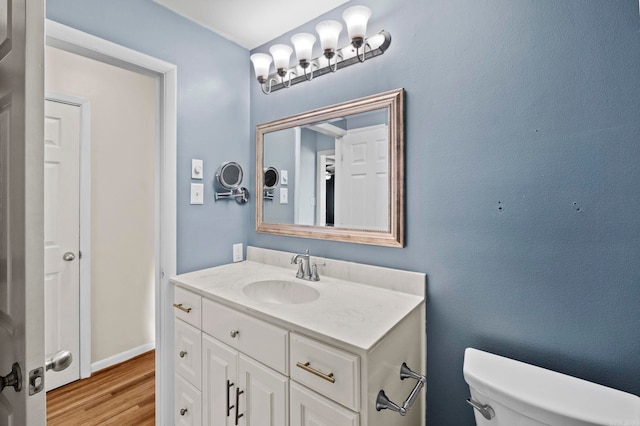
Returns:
<point x="314" y="271"/>
<point x="300" y="273"/>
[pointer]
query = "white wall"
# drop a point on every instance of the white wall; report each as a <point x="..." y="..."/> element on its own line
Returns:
<point x="122" y="200"/>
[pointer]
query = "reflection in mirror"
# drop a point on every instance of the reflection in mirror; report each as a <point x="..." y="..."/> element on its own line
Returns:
<point x="341" y="172"/>
<point x="347" y="163"/>
<point x="271" y="179"/>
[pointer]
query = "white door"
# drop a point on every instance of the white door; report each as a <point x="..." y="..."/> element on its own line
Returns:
<point x="362" y="179"/>
<point x="219" y="383"/>
<point x="62" y="237"/>
<point x="266" y="395"/>
<point x="21" y="207"/>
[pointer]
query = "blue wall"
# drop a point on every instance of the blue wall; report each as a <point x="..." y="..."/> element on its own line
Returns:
<point x="522" y="133"/>
<point x="523" y="202"/>
<point x="213" y="110"/>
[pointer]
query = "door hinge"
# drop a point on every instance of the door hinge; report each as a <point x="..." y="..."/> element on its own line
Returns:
<point x="79" y="254"/>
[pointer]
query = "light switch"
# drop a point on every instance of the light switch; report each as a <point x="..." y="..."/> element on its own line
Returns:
<point x="284" y="196"/>
<point x="197" y="193"/>
<point x="197" y="170"/>
<point x="284" y="177"/>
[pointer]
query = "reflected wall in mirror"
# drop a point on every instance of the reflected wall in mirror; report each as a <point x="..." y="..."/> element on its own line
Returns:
<point x="346" y="166"/>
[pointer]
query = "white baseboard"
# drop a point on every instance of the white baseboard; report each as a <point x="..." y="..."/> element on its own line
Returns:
<point x="122" y="357"/>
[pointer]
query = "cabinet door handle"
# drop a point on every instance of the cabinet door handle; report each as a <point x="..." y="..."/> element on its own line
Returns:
<point x="328" y="377"/>
<point x="183" y="411"/>
<point x="238" y="415"/>
<point x="234" y="333"/>
<point x="183" y="354"/>
<point x="182" y="308"/>
<point x="229" y="407"/>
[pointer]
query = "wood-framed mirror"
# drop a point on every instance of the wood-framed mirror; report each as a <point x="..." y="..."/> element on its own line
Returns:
<point x="341" y="172"/>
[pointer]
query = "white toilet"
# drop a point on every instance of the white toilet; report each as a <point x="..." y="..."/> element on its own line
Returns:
<point x="505" y="392"/>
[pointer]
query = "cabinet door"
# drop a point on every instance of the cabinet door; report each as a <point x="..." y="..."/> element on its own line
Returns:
<point x="219" y="382"/>
<point x="266" y="395"/>
<point x="188" y="352"/>
<point x="311" y="409"/>
<point x="187" y="404"/>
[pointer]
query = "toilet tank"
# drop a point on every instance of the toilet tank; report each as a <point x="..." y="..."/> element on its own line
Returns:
<point x="525" y="395"/>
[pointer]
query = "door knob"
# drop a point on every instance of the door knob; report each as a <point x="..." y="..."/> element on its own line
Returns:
<point x="59" y="361"/>
<point x="68" y="256"/>
<point x="14" y="378"/>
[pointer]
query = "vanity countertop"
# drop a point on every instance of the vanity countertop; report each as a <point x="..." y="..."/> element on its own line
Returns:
<point x="357" y="314"/>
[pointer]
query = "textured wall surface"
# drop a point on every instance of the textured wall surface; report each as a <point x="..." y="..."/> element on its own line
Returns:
<point x="213" y="110"/>
<point x="522" y="156"/>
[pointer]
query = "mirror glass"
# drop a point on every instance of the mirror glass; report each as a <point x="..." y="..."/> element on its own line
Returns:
<point x="341" y="172"/>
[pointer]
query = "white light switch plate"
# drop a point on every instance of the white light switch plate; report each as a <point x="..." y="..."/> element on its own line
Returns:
<point x="197" y="193"/>
<point x="197" y="170"/>
<point x="284" y="177"/>
<point x="284" y="196"/>
<point x="237" y="252"/>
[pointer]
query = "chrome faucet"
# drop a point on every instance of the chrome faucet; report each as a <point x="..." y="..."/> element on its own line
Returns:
<point x="306" y="270"/>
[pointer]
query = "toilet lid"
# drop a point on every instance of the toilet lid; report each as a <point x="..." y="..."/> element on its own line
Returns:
<point x="547" y="395"/>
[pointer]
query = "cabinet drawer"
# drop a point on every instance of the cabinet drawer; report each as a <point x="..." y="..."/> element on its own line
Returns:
<point x="187" y="408"/>
<point x="310" y="409"/>
<point x="309" y="356"/>
<point x="187" y="306"/>
<point x="262" y="341"/>
<point x="188" y="352"/>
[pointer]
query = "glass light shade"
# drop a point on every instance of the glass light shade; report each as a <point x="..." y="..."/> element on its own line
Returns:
<point x="329" y="32"/>
<point x="303" y="43"/>
<point x="356" y="18"/>
<point x="281" y="54"/>
<point x="261" y="64"/>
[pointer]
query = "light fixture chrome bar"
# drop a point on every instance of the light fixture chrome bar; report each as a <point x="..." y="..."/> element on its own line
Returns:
<point x="374" y="46"/>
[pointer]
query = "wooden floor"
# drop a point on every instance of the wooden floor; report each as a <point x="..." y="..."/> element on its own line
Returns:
<point x="120" y="395"/>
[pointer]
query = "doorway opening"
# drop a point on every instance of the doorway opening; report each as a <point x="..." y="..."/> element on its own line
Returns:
<point x="163" y="189"/>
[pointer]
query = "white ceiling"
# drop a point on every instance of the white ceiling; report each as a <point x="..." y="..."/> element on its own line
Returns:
<point x="250" y="23"/>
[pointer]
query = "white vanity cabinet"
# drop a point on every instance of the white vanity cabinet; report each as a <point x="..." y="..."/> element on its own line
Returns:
<point x="217" y="384"/>
<point x="187" y="358"/>
<point x="241" y="362"/>
<point x="310" y="409"/>
<point x="249" y="350"/>
<point x="237" y="389"/>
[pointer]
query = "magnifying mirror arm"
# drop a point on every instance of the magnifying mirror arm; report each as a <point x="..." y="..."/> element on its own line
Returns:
<point x="241" y="195"/>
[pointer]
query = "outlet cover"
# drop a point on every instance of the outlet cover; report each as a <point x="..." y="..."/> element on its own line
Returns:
<point x="284" y="196"/>
<point x="237" y="252"/>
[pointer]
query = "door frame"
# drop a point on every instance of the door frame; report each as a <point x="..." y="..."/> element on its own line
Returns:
<point x="75" y="41"/>
<point x="84" y="255"/>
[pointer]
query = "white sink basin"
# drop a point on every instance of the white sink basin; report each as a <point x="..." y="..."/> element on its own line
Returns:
<point x="282" y="292"/>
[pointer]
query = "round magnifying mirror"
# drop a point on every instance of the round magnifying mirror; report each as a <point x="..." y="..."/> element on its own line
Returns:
<point x="271" y="177"/>
<point x="229" y="175"/>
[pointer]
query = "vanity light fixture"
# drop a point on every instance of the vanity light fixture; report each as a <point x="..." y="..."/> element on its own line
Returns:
<point x="329" y="32"/>
<point x="281" y="54"/>
<point x="303" y="44"/>
<point x="332" y="58"/>
<point x="356" y="18"/>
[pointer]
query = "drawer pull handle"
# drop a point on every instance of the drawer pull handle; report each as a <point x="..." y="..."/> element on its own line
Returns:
<point x="234" y="333"/>
<point x="183" y="354"/>
<point x="238" y="414"/>
<point x="182" y="308"/>
<point x="229" y="407"/>
<point x="183" y="411"/>
<point x="328" y="377"/>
